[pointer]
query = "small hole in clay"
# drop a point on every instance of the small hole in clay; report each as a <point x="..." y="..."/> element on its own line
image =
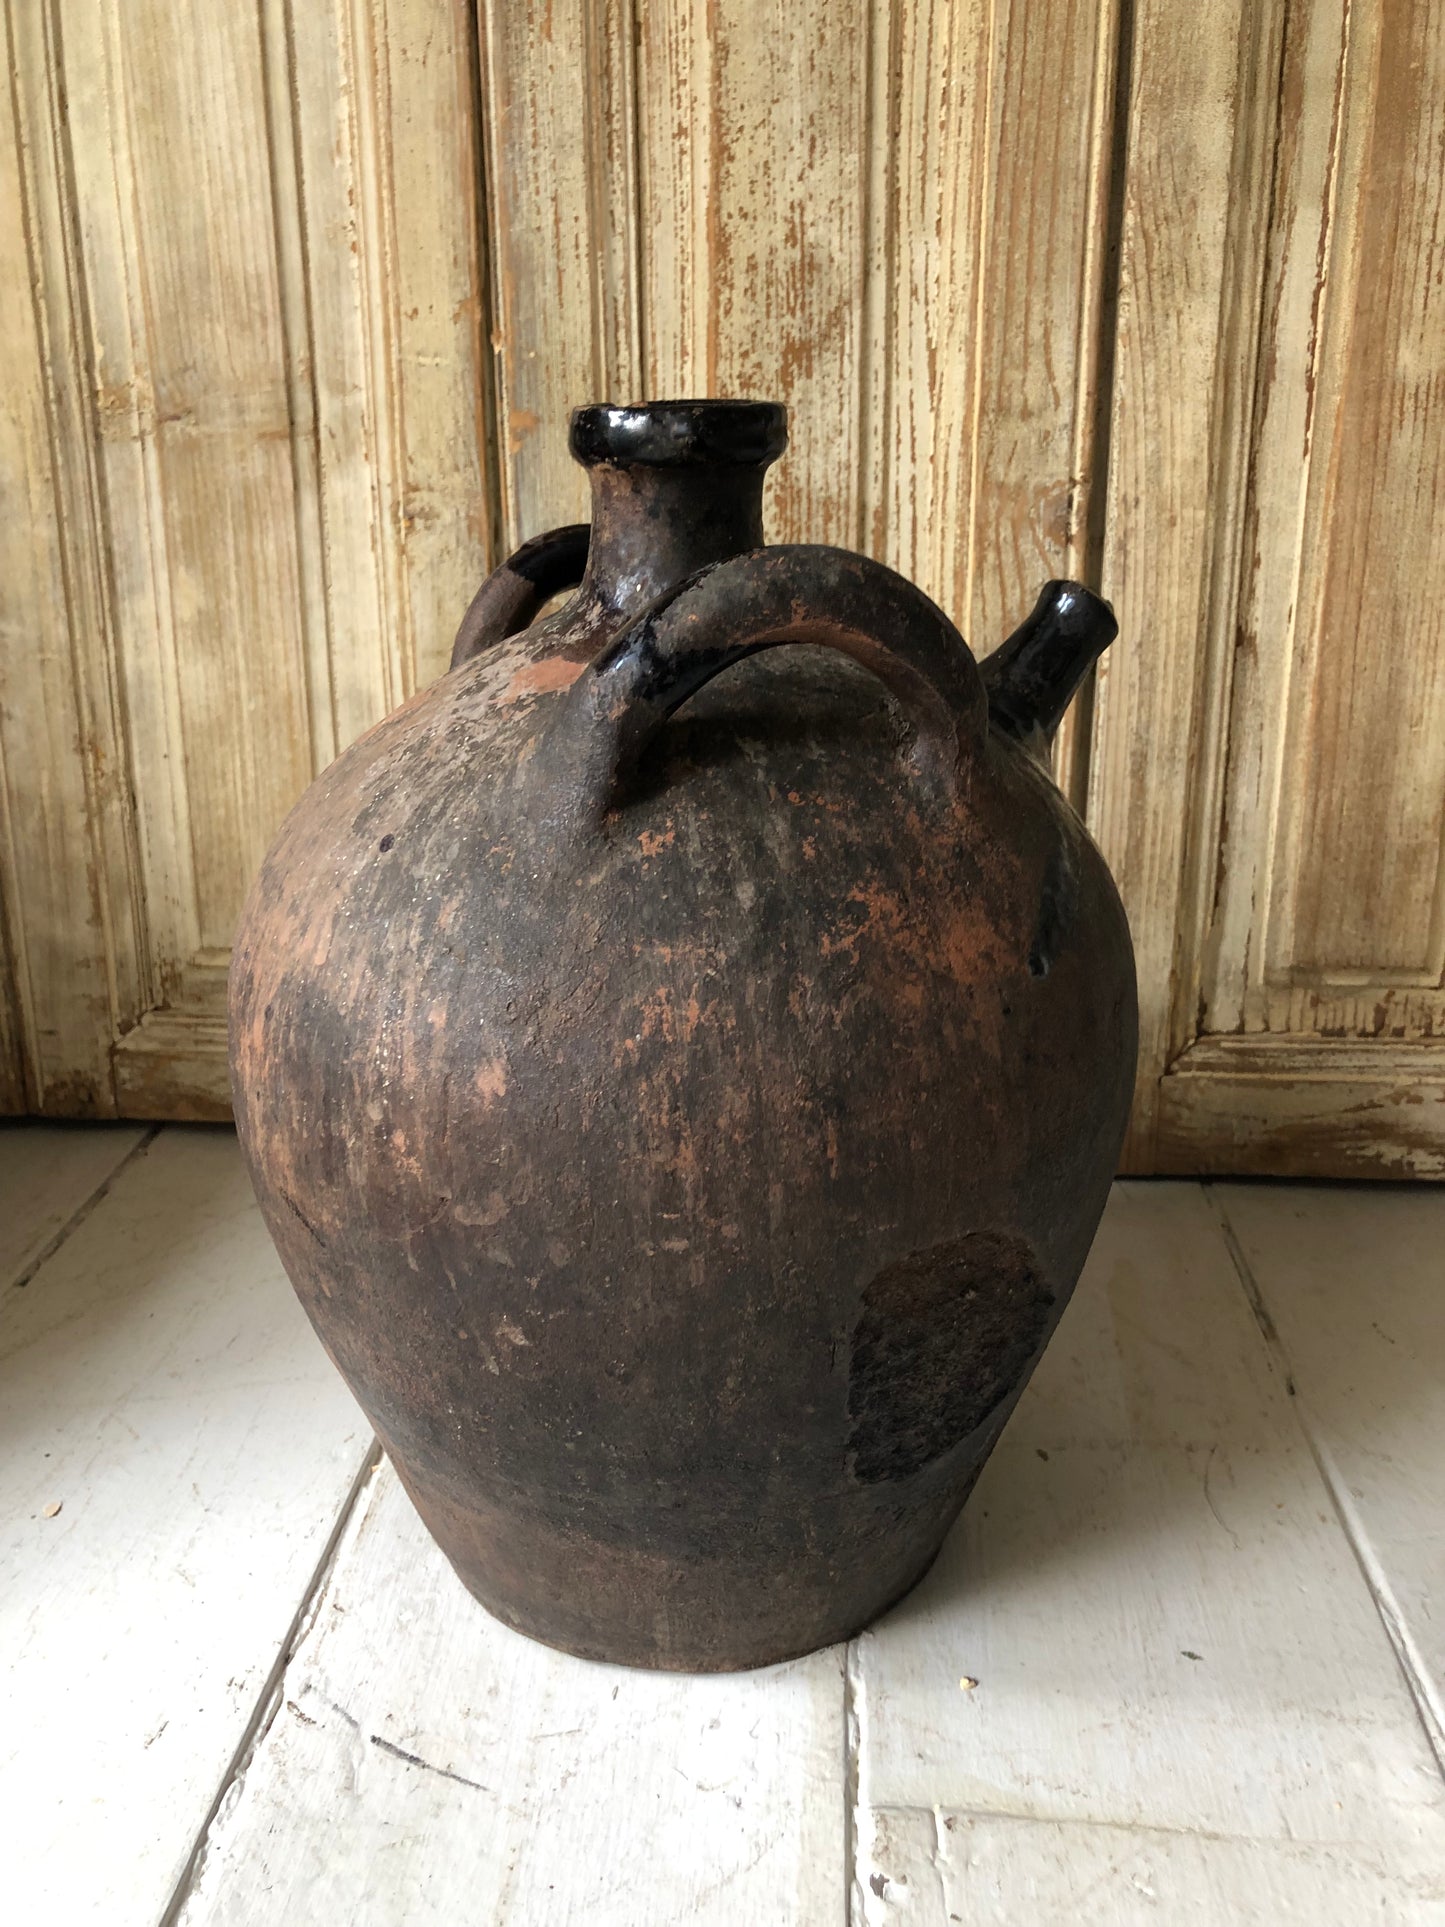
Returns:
<point x="386" y="842"/>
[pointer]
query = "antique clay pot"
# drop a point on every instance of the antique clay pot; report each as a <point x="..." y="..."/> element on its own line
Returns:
<point x="684" y="1130"/>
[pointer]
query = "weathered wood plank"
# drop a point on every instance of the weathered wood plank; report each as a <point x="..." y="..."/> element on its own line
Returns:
<point x="163" y="1390"/>
<point x="548" y="74"/>
<point x="1303" y="1107"/>
<point x="834" y="211"/>
<point x="989" y="410"/>
<point x="47" y="1174"/>
<point x="1358" y="884"/>
<point x="193" y="410"/>
<point x="1167" y="1625"/>
<point x="174" y="1064"/>
<point x="246" y="466"/>
<point x="754" y="150"/>
<point x="1353" y="1283"/>
<point x="1331" y="918"/>
<point x="12" y="1066"/>
<point x="929" y="1869"/>
<point x="401" y="374"/>
<point x="1201" y="112"/>
<point x="425" y="1764"/>
<point x="68" y="869"/>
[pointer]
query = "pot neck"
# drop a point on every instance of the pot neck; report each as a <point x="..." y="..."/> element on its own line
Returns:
<point x="675" y="486"/>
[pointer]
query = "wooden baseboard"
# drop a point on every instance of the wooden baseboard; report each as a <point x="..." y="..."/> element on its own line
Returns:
<point x="1302" y="1108"/>
<point x="173" y="1065"/>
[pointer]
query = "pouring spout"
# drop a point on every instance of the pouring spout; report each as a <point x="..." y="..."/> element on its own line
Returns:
<point x="1032" y="678"/>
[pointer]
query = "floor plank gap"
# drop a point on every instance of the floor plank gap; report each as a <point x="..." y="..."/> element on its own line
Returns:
<point x="1249" y="1285"/>
<point x="272" y="1695"/>
<point x="852" y="1866"/>
<point x="1411" y="1662"/>
<point x="77" y="1217"/>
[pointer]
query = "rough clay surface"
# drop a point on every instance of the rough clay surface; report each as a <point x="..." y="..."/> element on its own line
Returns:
<point x="687" y="1196"/>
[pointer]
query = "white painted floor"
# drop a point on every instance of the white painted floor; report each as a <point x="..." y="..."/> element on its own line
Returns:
<point x="1181" y="1661"/>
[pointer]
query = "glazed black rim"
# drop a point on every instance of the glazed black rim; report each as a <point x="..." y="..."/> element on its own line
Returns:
<point x="678" y="433"/>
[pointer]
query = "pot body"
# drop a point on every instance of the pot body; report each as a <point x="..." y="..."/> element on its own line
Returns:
<point x="685" y="1187"/>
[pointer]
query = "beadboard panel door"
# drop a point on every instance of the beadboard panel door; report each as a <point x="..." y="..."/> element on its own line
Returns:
<point x="243" y="470"/>
<point x="1268" y="775"/>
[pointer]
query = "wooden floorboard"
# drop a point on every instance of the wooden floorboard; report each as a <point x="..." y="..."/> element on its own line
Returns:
<point x="49" y="1173"/>
<point x="427" y="1766"/>
<point x="1168" y="1627"/>
<point x="990" y="1870"/>
<point x="1180" y="1661"/>
<point x="1351" y="1283"/>
<point x="176" y="1447"/>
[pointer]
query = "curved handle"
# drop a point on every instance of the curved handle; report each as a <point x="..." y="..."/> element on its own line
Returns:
<point x="787" y="594"/>
<point x="511" y="596"/>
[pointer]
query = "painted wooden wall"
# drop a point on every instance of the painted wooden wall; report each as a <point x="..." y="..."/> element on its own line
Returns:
<point x="1147" y="293"/>
<point x="241" y="461"/>
<point x="1268" y="765"/>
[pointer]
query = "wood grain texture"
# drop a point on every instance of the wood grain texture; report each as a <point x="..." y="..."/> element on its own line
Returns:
<point x="1350" y="1282"/>
<point x="1331" y="912"/>
<point x="558" y="237"/>
<point x="12" y="1063"/>
<point x="193" y="413"/>
<point x="983" y="251"/>
<point x="929" y="1869"/>
<point x="1364" y="731"/>
<point x="175" y="1064"/>
<point x="1145" y="1585"/>
<point x="425" y="1764"/>
<point x="1283" y="665"/>
<point x="162" y="1389"/>
<point x="251" y="444"/>
<point x="1197" y="169"/>
<point x="830" y="209"/>
<point x="68" y="863"/>
<point x="1302" y="1107"/>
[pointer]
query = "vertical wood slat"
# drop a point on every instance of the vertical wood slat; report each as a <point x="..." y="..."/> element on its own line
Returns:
<point x="1280" y="456"/>
<point x="1331" y="916"/>
<point x="1267" y="760"/>
<point x="186" y="295"/>
<point x="754" y="142"/>
<point x="247" y="423"/>
<point x="67" y="860"/>
<point x="990" y="428"/>
<point x="12" y="1063"/>
<point x="1201" y="119"/>
<point x="424" y="158"/>
<point x="1364" y="749"/>
<point x="548" y="74"/>
<point x="838" y="210"/>
<point x="383" y="127"/>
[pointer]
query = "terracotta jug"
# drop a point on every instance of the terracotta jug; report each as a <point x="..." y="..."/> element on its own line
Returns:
<point x="682" y="1056"/>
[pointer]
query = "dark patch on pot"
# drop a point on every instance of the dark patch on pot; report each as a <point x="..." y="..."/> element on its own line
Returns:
<point x="945" y="1335"/>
